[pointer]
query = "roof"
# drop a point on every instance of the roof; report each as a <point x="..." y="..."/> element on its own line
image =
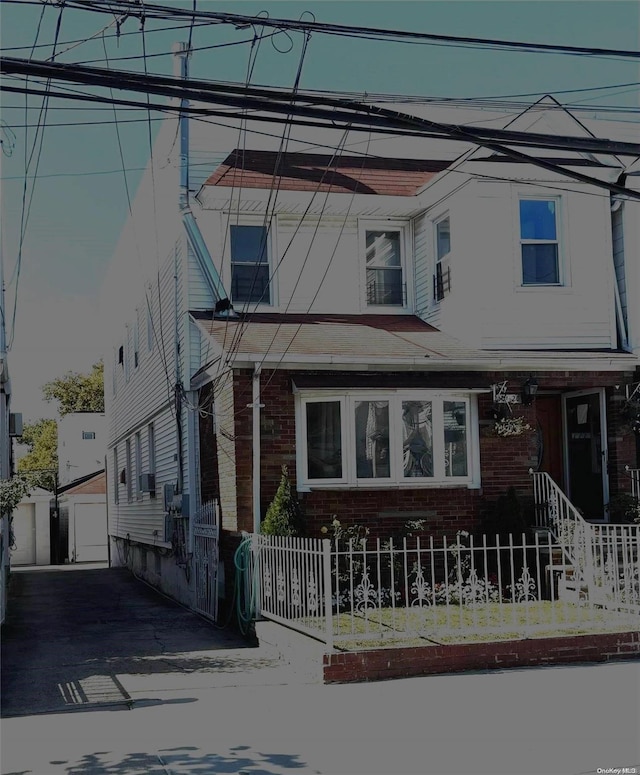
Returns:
<point x="323" y="173"/>
<point x="92" y="484"/>
<point x="349" y="341"/>
<point x="349" y="337"/>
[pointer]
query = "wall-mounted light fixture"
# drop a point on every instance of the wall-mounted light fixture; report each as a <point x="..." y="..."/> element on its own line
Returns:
<point x="529" y="390"/>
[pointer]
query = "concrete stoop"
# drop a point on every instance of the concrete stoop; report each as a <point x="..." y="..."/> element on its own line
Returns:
<point x="303" y="654"/>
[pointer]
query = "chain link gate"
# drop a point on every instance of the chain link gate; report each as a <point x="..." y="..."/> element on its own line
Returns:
<point x="206" y="536"/>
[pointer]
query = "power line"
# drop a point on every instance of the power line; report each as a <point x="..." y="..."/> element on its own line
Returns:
<point x="154" y="11"/>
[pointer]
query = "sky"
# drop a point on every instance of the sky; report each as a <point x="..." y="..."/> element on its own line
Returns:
<point x="73" y="201"/>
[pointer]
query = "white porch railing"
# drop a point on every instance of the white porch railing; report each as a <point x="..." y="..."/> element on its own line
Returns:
<point x="604" y="558"/>
<point x="363" y="591"/>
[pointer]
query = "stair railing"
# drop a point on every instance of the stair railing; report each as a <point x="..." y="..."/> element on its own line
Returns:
<point x="555" y="512"/>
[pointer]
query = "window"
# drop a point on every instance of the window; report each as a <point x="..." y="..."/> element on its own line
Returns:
<point x="136" y="343"/>
<point x="116" y="476"/>
<point x="442" y="277"/>
<point x="539" y="242"/>
<point x="250" y="264"/>
<point x="138" y="460"/>
<point x="127" y="347"/>
<point x="384" y="268"/>
<point x="128" y="471"/>
<point x="149" y="327"/>
<point x="151" y="440"/>
<point x="88" y="435"/>
<point x="359" y="438"/>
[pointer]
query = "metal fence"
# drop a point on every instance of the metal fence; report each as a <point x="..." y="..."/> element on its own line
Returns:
<point x="361" y="590"/>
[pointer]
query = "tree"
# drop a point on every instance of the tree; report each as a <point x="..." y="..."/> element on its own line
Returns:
<point x="42" y="439"/>
<point x="77" y="392"/>
<point x="284" y="515"/>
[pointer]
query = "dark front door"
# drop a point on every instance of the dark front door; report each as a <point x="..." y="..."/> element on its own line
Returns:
<point x="586" y="452"/>
<point x="549" y="437"/>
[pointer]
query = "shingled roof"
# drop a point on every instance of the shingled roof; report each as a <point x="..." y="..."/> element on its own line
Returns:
<point x="323" y="173"/>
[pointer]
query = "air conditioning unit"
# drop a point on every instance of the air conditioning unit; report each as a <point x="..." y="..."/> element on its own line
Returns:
<point x="15" y="424"/>
<point x="147" y="483"/>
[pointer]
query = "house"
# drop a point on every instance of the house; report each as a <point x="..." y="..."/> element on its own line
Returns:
<point x="366" y="318"/>
<point x="81" y="445"/>
<point x="83" y="510"/>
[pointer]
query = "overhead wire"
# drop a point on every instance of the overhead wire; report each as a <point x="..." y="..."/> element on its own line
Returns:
<point x="149" y="304"/>
<point x="25" y="210"/>
<point x="157" y="11"/>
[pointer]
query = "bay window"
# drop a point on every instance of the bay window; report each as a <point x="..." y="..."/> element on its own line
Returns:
<point x="366" y="438"/>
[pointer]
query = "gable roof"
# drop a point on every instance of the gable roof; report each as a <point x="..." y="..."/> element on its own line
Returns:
<point x="91" y="484"/>
<point x="323" y="173"/>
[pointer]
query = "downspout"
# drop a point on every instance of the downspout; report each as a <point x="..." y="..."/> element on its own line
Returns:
<point x="256" y="406"/>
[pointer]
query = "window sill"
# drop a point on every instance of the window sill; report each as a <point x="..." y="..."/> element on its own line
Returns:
<point x="392" y="486"/>
<point x="535" y="287"/>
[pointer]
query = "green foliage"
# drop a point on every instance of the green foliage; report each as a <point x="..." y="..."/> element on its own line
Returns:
<point x="624" y="508"/>
<point x="12" y="491"/>
<point x="284" y="515"/>
<point x="42" y="439"/>
<point x="77" y="392"/>
<point x="509" y="513"/>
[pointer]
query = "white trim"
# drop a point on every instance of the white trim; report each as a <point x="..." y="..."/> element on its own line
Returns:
<point x="404" y="229"/>
<point x="560" y="241"/>
<point x="347" y="399"/>
<point x="272" y="261"/>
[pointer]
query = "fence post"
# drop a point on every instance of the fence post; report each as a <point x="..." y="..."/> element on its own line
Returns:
<point x="326" y="573"/>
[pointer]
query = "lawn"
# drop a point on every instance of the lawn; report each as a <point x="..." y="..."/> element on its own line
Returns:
<point x="467" y="624"/>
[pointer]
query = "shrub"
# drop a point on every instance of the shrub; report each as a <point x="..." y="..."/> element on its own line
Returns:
<point x="284" y="515"/>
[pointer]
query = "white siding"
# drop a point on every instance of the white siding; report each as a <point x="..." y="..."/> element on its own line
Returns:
<point x="488" y="306"/>
<point x="319" y="265"/>
<point x="143" y="519"/>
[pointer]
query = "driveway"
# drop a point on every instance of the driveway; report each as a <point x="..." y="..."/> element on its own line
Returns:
<point x="82" y="638"/>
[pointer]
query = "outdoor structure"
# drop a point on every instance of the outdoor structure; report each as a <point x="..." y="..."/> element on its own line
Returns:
<point x="83" y="509"/>
<point x="82" y="445"/>
<point x="32" y="529"/>
<point x="412" y="334"/>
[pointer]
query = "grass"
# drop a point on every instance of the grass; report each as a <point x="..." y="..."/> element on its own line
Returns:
<point x="439" y="625"/>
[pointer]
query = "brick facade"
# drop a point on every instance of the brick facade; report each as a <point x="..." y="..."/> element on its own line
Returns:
<point x="378" y="664"/>
<point x="505" y="462"/>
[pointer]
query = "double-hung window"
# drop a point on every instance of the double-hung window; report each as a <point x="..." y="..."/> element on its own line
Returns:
<point x="129" y="471"/>
<point x="442" y="277"/>
<point x="250" y="264"/>
<point x="384" y="267"/>
<point x="539" y="242"/>
<point x="360" y="438"/>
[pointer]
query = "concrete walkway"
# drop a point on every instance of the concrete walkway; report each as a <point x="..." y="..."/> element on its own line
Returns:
<point x="79" y="638"/>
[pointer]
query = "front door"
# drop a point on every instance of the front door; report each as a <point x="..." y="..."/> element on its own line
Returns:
<point x="586" y="452"/>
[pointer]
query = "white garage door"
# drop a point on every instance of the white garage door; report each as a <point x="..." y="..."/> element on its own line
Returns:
<point x="24" y="531"/>
<point x="90" y="523"/>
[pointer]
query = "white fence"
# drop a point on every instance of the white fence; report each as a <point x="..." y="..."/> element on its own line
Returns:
<point x="365" y="590"/>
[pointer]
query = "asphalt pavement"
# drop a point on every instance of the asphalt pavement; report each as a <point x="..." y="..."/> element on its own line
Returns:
<point x="102" y="676"/>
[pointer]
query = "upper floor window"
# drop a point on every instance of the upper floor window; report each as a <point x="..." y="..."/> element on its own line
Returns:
<point x="359" y="438"/>
<point x="442" y="277"/>
<point x="149" y="327"/>
<point x="116" y="476"/>
<point x="128" y="470"/>
<point x="138" y="462"/>
<point x="384" y="261"/>
<point x="136" y="342"/>
<point x="250" y="264"/>
<point x="539" y="243"/>
<point x="88" y="435"/>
